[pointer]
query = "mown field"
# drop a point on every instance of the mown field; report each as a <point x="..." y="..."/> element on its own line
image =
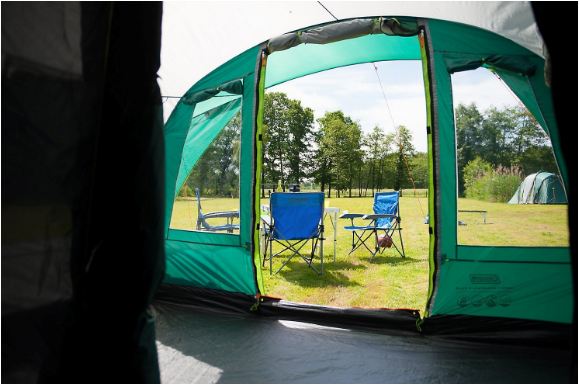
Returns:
<point x="387" y="280"/>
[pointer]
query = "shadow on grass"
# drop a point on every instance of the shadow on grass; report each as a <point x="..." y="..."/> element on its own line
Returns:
<point x="389" y="260"/>
<point x="300" y="274"/>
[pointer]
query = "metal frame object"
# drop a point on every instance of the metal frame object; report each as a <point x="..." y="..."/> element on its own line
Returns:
<point x="361" y="234"/>
<point x="288" y="241"/>
<point x="202" y="224"/>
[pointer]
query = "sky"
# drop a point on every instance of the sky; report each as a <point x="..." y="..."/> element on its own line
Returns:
<point x="356" y="91"/>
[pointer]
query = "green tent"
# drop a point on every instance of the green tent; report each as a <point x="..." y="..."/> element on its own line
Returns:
<point x="88" y="171"/>
<point x="228" y="265"/>
<point x="540" y="188"/>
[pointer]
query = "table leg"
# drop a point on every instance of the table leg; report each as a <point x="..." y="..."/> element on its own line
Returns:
<point x="335" y="225"/>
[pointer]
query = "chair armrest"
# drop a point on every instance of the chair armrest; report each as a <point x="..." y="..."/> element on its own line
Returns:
<point x="222" y="214"/>
<point x="351" y="215"/>
<point x="266" y="219"/>
<point x="378" y="216"/>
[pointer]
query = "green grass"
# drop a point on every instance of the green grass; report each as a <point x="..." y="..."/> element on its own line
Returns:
<point x="356" y="280"/>
<point x="513" y="225"/>
<point x="389" y="281"/>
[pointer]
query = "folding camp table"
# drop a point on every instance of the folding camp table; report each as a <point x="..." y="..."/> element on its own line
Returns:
<point x="333" y="213"/>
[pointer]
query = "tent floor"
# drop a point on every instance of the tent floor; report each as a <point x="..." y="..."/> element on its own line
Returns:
<point x="198" y="347"/>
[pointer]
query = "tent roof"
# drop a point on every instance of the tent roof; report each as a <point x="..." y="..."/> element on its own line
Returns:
<point x="200" y="36"/>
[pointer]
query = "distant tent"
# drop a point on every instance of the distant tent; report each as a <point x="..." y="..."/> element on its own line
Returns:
<point x="540" y="188"/>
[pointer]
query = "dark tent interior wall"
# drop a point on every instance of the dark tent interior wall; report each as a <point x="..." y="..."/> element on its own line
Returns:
<point x="82" y="194"/>
<point x="563" y="77"/>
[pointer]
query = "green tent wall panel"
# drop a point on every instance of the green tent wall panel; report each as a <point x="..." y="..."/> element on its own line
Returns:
<point x="444" y="47"/>
<point x="221" y="267"/>
<point x="458" y="48"/>
<point x="207" y="128"/>
<point x="307" y="59"/>
<point x="505" y="289"/>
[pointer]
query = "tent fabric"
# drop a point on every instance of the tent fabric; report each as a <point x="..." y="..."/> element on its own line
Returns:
<point x="192" y="46"/>
<point x="197" y="347"/>
<point x="234" y="87"/>
<point x="445" y="48"/>
<point x="455" y="290"/>
<point x="207" y="127"/>
<point x="306" y="59"/>
<point x="82" y="152"/>
<point x="214" y="269"/>
<point x="539" y="188"/>
<point x="344" y="30"/>
<point x="45" y="39"/>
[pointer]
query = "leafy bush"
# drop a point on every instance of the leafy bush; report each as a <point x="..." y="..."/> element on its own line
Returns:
<point x="474" y="174"/>
<point x="484" y="183"/>
<point x="504" y="182"/>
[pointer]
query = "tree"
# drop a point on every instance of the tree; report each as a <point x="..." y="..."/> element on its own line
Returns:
<point x="420" y="169"/>
<point x="468" y="138"/>
<point x="498" y="130"/>
<point x="377" y="145"/>
<point x="300" y="123"/>
<point x="340" y="146"/>
<point x="404" y="150"/>
<point x="531" y="146"/>
<point x="504" y="137"/>
<point x="287" y="139"/>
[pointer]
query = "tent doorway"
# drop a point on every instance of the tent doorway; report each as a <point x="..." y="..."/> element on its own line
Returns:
<point x="352" y="132"/>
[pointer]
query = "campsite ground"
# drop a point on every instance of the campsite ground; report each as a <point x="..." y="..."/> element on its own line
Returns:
<point x="387" y="280"/>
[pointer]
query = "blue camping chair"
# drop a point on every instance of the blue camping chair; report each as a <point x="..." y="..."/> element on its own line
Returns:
<point x="385" y="221"/>
<point x="202" y="224"/>
<point x="294" y="220"/>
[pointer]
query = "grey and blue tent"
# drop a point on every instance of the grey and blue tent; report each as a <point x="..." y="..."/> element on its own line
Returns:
<point x="98" y="287"/>
<point x="540" y="188"/>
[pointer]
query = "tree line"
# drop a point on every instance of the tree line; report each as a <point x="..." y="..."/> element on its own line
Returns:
<point x="334" y="153"/>
<point x="500" y="139"/>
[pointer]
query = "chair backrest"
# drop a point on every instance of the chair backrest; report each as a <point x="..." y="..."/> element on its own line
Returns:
<point x="296" y="215"/>
<point x="386" y="203"/>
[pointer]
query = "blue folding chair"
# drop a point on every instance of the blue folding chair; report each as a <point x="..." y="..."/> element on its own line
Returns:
<point x="386" y="220"/>
<point x="294" y="220"/>
<point x="203" y="225"/>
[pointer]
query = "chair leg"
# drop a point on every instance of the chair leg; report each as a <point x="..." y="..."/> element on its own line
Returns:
<point x="265" y="249"/>
<point x="295" y="249"/>
<point x="401" y="243"/>
<point x="322" y="253"/>
<point x="270" y="256"/>
<point x="361" y="241"/>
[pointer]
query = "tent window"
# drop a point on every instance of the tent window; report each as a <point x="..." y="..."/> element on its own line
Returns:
<point x="509" y="189"/>
<point x="208" y="197"/>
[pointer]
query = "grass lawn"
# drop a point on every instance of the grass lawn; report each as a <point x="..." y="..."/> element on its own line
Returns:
<point x="389" y="281"/>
